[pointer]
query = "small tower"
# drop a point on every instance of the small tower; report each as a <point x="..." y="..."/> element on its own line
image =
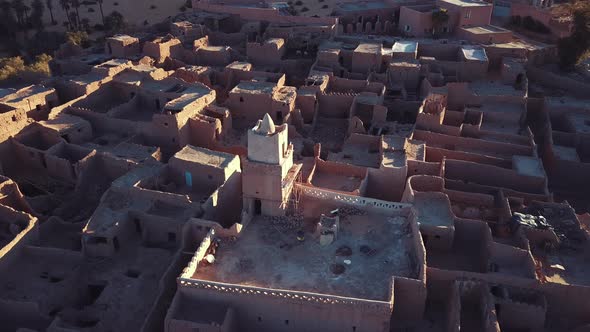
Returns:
<point x="268" y="173"/>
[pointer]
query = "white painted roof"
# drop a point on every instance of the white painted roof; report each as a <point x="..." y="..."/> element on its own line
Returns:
<point x="474" y="53"/>
<point x="405" y="46"/>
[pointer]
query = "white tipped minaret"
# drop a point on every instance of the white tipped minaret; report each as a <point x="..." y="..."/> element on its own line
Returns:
<point x="265" y="185"/>
<point x="268" y="143"/>
<point x="265" y="126"/>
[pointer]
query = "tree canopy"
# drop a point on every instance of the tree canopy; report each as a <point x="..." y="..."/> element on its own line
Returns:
<point x="15" y="68"/>
<point x="574" y="47"/>
<point x="114" y="22"/>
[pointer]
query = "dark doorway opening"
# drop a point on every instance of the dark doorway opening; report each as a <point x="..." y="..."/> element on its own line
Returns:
<point x="116" y="243"/>
<point x="257" y="207"/>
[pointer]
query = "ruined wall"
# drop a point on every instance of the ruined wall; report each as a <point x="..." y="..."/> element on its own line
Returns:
<point x="225" y="204"/>
<point x="154" y="321"/>
<point x="250" y="107"/>
<point x="28" y="233"/>
<point x="340" y="168"/>
<point x="11" y="123"/>
<point x="265" y="309"/>
<point x="434" y="154"/>
<point x="493" y="176"/>
<point x="362" y="202"/>
<point x="497" y="37"/>
<point x="466" y="144"/>
<point x="62" y="168"/>
<point x="546" y="77"/>
<point x="307" y="103"/>
<point x="335" y="105"/>
<point x="101" y="122"/>
<point x="386" y="183"/>
<point x="23" y="315"/>
<point x="266" y="52"/>
<point x="156" y="229"/>
<point x="410" y="294"/>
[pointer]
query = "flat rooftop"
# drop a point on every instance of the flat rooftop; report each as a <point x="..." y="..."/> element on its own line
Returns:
<point x="16" y="96"/>
<point x="251" y="87"/>
<point x="529" y="166"/>
<point x="64" y="122"/>
<point x="566" y="153"/>
<point x="433" y="209"/>
<point x="467" y="3"/>
<point x="269" y="255"/>
<point x="114" y="63"/>
<point x="396" y="151"/>
<point x="405" y="46"/>
<point x="474" y="53"/>
<point x="214" y="48"/>
<point x="205" y="156"/>
<point x="493" y="88"/>
<point x="190" y="95"/>
<point x="369" y="48"/>
<point x="485" y="29"/>
<point x="123" y="38"/>
<point x="363" y="5"/>
<point x="580" y="122"/>
<point x="240" y="65"/>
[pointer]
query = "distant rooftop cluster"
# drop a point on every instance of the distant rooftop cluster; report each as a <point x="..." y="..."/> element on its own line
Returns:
<point x="251" y="170"/>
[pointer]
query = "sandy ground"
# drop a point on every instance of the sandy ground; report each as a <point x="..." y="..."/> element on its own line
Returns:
<point x="138" y="11"/>
<point x="135" y="11"/>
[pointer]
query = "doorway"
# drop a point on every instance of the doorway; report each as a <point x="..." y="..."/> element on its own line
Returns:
<point x="257" y="207"/>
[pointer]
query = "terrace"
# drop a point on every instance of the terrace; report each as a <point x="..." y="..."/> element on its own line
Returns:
<point x="268" y="254"/>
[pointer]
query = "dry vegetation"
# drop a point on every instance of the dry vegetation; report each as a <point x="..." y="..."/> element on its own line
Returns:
<point x="16" y="69"/>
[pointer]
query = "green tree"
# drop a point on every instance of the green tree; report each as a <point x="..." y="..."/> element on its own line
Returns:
<point x="115" y="22"/>
<point x="10" y="67"/>
<point x="440" y="17"/>
<point x="15" y="69"/>
<point x="40" y="66"/>
<point x="577" y="44"/>
<point x="79" y="38"/>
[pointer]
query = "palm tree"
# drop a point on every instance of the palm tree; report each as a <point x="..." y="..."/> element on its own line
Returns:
<point x="19" y="9"/>
<point x="49" y="4"/>
<point x="26" y="9"/>
<point x="37" y="14"/>
<point x="72" y="18"/>
<point x="101" y="12"/>
<point x="65" y="6"/>
<point x="76" y="5"/>
<point x="8" y="20"/>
